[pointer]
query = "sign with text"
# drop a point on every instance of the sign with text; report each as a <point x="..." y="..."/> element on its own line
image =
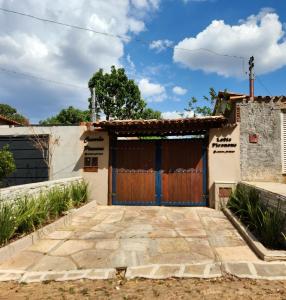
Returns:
<point x="224" y="145"/>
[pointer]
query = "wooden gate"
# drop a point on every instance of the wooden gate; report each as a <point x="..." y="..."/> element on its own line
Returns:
<point x="159" y="172"/>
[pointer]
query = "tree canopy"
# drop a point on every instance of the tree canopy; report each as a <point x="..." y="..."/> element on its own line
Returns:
<point x="205" y="110"/>
<point x="68" y="116"/>
<point x="149" y="113"/>
<point x="119" y="97"/>
<point x="11" y="113"/>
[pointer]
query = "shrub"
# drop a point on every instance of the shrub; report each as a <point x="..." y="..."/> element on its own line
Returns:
<point x="265" y="222"/>
<point x="7" y="163"/>
<point x="24" y="215"/>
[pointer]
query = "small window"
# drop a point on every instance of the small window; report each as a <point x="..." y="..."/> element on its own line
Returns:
<point x="283" y="135"/>
<point x="90" y="164"/>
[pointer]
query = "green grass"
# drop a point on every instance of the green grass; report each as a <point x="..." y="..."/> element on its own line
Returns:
<point x="25" y="214"/>
<point x="266" y="223"/>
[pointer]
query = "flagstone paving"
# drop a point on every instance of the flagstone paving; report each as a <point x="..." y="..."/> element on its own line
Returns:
<point x="156" y="242"/>
<point x="117" y="236"/>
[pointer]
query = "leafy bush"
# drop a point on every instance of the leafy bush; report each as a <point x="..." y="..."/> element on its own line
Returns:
<point x="7" y="163"/>
<point x="267" y="223"/>
<point x="24" y="215"/>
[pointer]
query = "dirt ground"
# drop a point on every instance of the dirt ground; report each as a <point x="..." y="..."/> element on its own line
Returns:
<point x="221" y="288"/>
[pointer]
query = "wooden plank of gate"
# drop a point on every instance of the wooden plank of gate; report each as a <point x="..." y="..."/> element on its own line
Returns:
<point x="135" y="181"/>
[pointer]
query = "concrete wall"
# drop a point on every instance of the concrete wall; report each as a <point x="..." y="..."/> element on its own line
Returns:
<point x="14" y="192"/>
<point x="98" y="181"/>
<point x="223" y="161"/>
<point x="269" y="198"/>
<point x="261" y="161"/>
<point x="66" y="154"/>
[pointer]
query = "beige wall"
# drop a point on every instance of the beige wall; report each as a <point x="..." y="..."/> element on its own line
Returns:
<point x="224" y="167"/>
<point x="67" y="152"/>
<point x="68" y="155"/>
<point x="98" y="181"/>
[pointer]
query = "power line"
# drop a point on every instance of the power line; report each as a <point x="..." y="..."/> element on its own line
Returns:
<point x="41" y="78"/>
<point x="147" y="42"/>
<point x="61" y="23"/>
<point x="263" y="85"/>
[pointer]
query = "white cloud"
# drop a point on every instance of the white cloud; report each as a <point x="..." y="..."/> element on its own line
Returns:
<point x="153" y="92"/>
<point x="179" y="90"/>
<point x="160" y="45"/>
<point x="131" y="68"/>
<point x="146" y="4"/>
<point x="177" y="114"/>
<point x="260" y="35"/>
<point x="60" y="53"/>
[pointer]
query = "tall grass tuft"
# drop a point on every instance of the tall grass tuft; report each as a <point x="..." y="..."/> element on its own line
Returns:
<point x="8" y="223"/>
<point x="79" y="193"/>
<point x="28" y="213"/>
<point x="59" y="200"/>
<point x="267" y="223"/>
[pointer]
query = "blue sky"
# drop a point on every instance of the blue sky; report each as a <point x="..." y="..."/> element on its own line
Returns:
<point x="167" y="76"/>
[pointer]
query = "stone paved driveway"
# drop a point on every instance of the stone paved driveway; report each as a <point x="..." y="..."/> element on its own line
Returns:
<point x="118" y="236"/>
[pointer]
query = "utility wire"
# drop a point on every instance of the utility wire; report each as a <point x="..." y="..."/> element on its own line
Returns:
<point x="147" y="42"/>
<point x="263" y="85"/>
<point x="13" y="72"/>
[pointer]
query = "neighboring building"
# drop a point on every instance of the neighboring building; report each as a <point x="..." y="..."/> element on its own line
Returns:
<point x="43" y="152"/>
<point x="262" y="122"/>
<point x="8" y="122"/>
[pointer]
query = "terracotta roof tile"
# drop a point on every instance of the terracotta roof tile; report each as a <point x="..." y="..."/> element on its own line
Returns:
<point x="9" y="121"/>
<point x="162" y="126"/>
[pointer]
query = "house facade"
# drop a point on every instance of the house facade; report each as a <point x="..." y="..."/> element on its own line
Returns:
<point x="198" y="165"/>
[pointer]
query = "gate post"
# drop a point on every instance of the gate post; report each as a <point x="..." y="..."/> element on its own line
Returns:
<point x="158" y="173"/>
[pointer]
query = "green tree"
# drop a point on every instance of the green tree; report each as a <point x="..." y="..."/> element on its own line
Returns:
<point x="7" y="163"/>
<point x="11" y="113"/>
<point x="149" y="113"/>
<point x="206" y="110"/>
<point x="117" y="96"/>
<point x="68" y="116"/>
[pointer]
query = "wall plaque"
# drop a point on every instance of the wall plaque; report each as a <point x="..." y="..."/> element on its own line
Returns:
<point x="253" y="138"/>
<point x="224" y="145"/>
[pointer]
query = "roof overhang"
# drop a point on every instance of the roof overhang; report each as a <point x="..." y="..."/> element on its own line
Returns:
<point x="9" y="121"/>
<point x="161" y="127"/>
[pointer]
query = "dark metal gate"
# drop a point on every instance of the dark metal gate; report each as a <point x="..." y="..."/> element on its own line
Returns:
<point x="159" y="172"/>
<point x="30" y="163"/>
